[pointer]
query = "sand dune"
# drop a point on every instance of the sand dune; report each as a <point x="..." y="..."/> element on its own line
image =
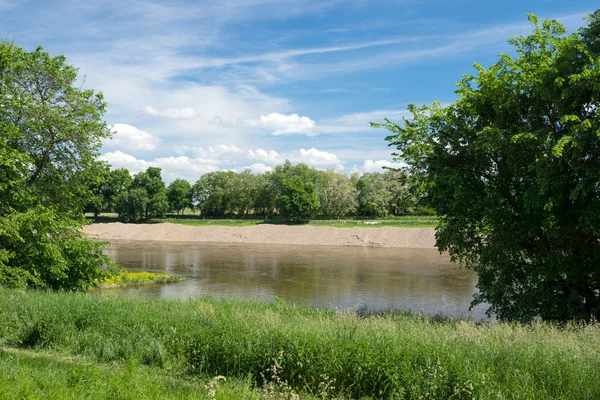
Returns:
<point x="267" y="234"/>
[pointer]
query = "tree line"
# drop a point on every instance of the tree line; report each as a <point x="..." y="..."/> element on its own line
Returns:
<point x="293" y="192"/>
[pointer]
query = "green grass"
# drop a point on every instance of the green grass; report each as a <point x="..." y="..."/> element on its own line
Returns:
<point x="36" y="375"/>
<point x="320" y="353"/>
<point x="409" y="221"/>
<point x="129" y="278"/>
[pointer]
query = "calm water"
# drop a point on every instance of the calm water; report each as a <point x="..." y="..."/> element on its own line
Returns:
<point x="372" y="278"/>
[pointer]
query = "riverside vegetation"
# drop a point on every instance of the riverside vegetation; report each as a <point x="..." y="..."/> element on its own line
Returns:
<point x="295" y="193"/>
<point x="511" y="169"/>
<point x="128" y="278"/>
<point x="193" y="219"/>
<point x="275" y="350"/>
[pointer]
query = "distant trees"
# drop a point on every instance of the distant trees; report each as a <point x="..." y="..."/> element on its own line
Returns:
<point x="385" y="194"/>
<point x="373" y="195"/>
<point x="179" y="195"/>
<point x="299" y="192"/>
<point x="105" y="187"/>
<point x="338" y="197"/>
<point x="145" y="198"/>
<point x="294" y="192"/>
<point x="299" y="200"/>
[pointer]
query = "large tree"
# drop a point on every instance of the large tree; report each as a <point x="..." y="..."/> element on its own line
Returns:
<point x="56" y="124"/>
<point x="299" y="199"/>
<point x="339" y="195"/>
<point x="50" y="132"/>
<point x="179" y="194"/>
<point x="374" y="196"/>
<point x="513" y="167"/>
<point x="145" y="198"/>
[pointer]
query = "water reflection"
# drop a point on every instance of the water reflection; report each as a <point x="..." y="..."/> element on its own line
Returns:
<point x="376" y="278"/>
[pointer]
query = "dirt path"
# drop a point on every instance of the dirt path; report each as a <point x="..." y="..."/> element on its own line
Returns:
<point x="267" y="234"/>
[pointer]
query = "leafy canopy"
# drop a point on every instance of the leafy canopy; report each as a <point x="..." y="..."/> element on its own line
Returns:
<point x="179" y="195"/>
<point x="513" y="168"/>
<point x="299" y="199"/>
<point x="50" y="132"/>
<point x="144" y="198"/>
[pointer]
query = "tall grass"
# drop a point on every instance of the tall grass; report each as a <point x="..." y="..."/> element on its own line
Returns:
<point x="30" y="375"/>
<point x="324" y="353"/>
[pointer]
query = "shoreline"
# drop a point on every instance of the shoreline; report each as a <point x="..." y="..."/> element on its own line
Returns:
<point x="415" y="238"/>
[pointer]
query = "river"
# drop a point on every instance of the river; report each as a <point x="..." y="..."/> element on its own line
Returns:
<point x="370" y="278"/>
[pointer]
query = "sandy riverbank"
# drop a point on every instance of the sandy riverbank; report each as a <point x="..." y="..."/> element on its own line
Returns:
<point x="267" y="234"/>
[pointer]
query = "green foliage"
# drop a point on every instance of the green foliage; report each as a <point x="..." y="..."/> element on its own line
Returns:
<point x="145" y="198"/>
<point x="51" y="132"/>
<point x="179" y="194"/>
<point x="128" y="278"/>
<point x="58" y="127"/>
<point x="383" y="194"/>
<point x="47" y="251"/>
<point x="338" y="197"/>
<point x="97" y="187"/>
<point x="513" y="169"/>
<point x="299" y="199"/>
<point x="231" y="194"/>
<point x="324" y="353"/>
<point x="215" y="192"/>
<point x="131" y="205"/>
<point x="373" y="195"/>
<point x="118" y="181"/>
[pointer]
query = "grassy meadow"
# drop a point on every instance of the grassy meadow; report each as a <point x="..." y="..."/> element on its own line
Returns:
<point x="408" y="221"/>
<point x="111" y="346"/>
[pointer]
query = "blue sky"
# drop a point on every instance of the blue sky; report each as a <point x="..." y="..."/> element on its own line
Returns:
<point x="198" y="86"/>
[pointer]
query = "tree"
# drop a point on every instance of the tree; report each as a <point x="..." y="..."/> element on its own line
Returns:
<point x="50" y="135"/>
<point x="97" y="186"/>
<point x="266" y="200"/>
<point x="58" y="126"/>
<point x="513" y="167"/>
<point x="299" y="199"/>
<point x="213" y="193"/>
<point x="179" y="194"/>
<point x="287" y="172"/>
<point x="132" y="204"/>
<point x="402" y="200"/>
<point x="374" y="196"/>
<point x="247" y="188"/>
<point x="118" y="181"/>
<point x="339" y="195"/>
<point x="145" y="198"/>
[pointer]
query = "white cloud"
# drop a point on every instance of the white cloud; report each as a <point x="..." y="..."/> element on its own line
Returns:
<point x="271" y="157"/>
<point x="359" y="122"/>
<point x="282" y="124"/>
<point x="172" y="167"/>
<point x="376" y="166"/>
<point x="315" y="157"/>
<point x="118" y="159"/>
<point x="311" y="156"/>
<point x="128" y="137"/>
<point x="210" y="151"/>
<point x="174" y="113"/>
<point x="259" y="168"/>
